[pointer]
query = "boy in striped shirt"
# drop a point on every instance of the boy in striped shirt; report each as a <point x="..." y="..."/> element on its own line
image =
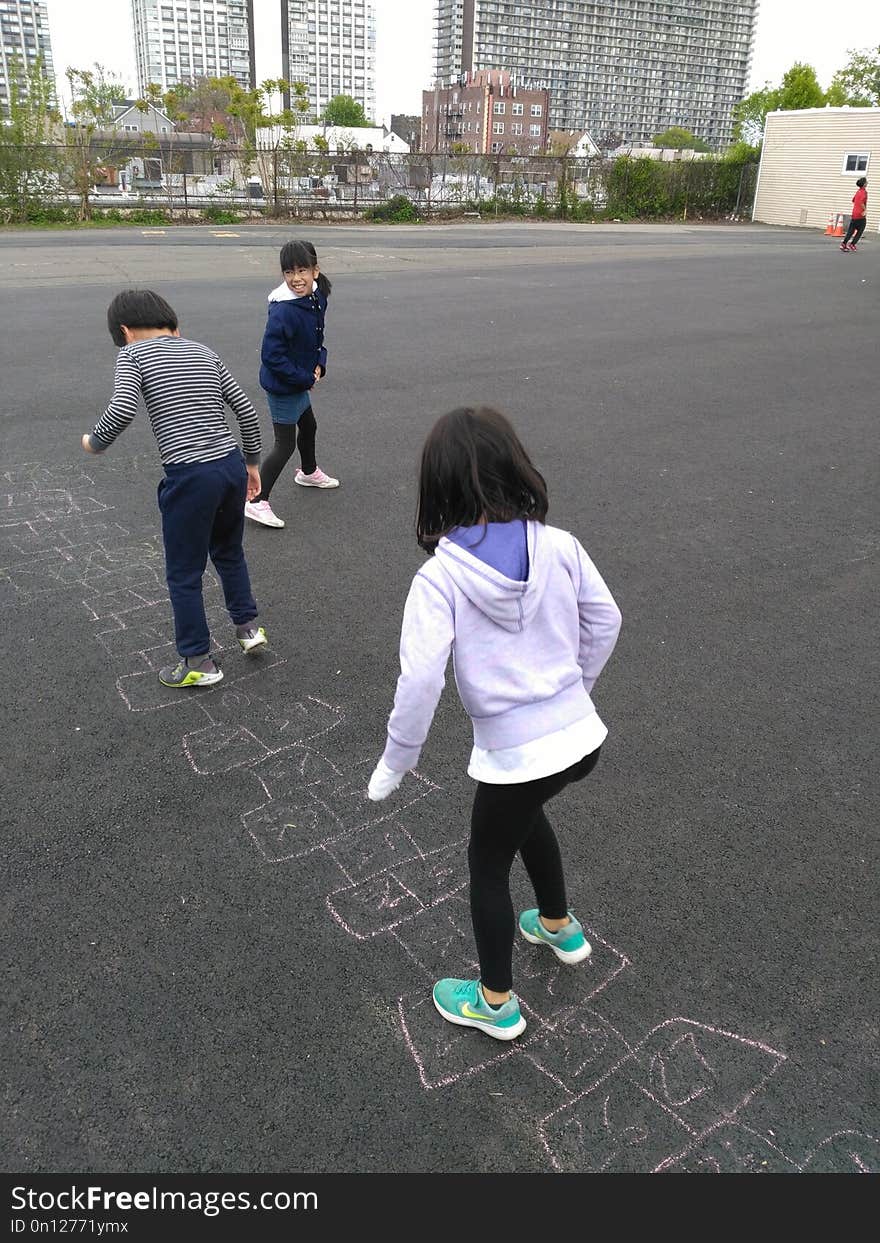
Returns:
<point x="207" y="478"/>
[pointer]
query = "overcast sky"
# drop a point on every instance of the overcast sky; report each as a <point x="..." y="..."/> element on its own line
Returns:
<point x="86" y="31"/>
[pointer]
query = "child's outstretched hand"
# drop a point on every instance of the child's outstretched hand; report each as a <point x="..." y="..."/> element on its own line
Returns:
<point x="253" y="482"/>
<point x="383" y="782"/>
<point x="318" y="374"/>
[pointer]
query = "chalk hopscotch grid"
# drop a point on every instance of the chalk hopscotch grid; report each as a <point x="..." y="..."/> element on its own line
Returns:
<point x="646" y="1105"/>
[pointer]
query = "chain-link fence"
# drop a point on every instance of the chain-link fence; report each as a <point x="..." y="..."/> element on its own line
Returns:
<point x="190" y="176"/>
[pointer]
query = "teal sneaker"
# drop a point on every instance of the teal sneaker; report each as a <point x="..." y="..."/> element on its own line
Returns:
<point x="462" y="1002"/>
<point x="568" y="944"/>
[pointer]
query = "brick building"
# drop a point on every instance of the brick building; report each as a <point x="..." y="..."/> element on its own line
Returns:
<point x="485" y="112"/>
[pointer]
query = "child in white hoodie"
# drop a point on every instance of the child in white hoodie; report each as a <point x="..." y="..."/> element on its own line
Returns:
<point x="530" y="624"/>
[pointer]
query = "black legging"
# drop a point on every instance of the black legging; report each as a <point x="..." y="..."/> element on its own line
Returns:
<point x="506" y="819"/>
<point x="287" y="436"/>
<point x="855" y="230"/>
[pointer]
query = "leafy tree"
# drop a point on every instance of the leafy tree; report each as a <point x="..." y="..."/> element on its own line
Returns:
<point x="678" y="139"/>
<point x="741" y="153"/>
<point x="799" y="89"/>
<point x="750" y="113"/>
<point x="858" y="83"/>
<point x="90" y="139"/>
<point x="250" y="111"/>
<point x="344" y="111"/>
<point x="28" y="157"/>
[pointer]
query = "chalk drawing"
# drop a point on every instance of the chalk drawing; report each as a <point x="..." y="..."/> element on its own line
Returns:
<point x="672" y="1101"/>
<point x="845" y="1150"/>
<point x="577" y="1050"/>
<point x="399" y="894"/>
<point x="660" y="1101"/>
<point x="391" y="840"/>
<point x="731" y="1148"/>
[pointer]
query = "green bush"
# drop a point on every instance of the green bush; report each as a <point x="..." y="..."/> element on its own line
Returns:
<point x="219" y="215"/>
<point x="47" y="214"/>
<point x="131" y="215"/>
<point x="398" y="210"/>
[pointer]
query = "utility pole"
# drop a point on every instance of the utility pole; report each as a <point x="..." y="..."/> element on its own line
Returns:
<point x="252" y="50"/>
<point x="285" y="52"/>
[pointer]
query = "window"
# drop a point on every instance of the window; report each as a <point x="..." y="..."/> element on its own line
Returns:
<point x="517" y="109"/>
<point x="535" y="131"/>
<point x="496" y="147"/>
<point x="497" y="127"/>
<point x="855" y="162"/>
<point x="537" y="110"/>
<point x="499" y="108"/>
<point x="516" y="127"/>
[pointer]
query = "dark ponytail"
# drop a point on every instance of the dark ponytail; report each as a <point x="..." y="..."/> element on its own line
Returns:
<point x="303" y="255"/>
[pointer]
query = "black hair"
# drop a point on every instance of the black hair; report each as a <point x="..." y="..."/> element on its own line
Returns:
<point x="139" y="308"/>
<point x="862" y="181"/>
<point x="303" y="255"/>
<point x="474" y="470"/>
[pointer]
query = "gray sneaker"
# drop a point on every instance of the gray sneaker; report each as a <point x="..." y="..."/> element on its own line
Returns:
<point x="252" y="638"/>
<point x="205" y="673"/>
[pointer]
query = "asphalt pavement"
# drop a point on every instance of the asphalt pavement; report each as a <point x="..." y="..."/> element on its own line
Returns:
<point x="221" y="954"/>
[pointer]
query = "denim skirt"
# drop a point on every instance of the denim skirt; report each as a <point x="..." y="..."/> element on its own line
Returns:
<point x="289" y="408"/>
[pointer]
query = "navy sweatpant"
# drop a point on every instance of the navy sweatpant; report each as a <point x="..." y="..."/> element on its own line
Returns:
<point x="202" y="507"/>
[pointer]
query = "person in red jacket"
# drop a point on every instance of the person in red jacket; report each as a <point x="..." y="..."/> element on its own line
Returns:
<point x="858" y="220"/>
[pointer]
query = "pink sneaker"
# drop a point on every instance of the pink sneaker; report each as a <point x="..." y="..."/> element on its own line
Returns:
<point x="261" y="511"/>
<point x="852" y="246"/>
<point x="317" y="479"/>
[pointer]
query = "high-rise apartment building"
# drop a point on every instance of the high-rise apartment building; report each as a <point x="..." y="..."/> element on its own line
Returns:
<point x="179" y="40"/>
<point x="631" y="67"/>
<point x="330" y="45"/>
<point x="24" y="35"/>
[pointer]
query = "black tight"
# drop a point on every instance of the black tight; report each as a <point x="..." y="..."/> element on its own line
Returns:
<point x="855" y="231"/>
<point x="287" y="437"/>
<point x="507" y="819"/>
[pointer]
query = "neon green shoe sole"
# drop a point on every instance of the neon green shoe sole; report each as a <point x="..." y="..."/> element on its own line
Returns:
<point x="181" y="675"/>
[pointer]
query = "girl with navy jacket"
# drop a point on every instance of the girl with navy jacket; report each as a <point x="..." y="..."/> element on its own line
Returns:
<point x="293" y="360"/>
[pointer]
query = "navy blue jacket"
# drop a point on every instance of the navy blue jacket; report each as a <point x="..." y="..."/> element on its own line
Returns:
<point x="293" y="345"/>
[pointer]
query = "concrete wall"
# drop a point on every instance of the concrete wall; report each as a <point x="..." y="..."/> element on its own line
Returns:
<point x="802" y="179"/>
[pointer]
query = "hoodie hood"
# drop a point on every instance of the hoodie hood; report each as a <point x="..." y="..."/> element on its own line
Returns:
<point x="285" y="294"/>
<point x="509" y="604"/>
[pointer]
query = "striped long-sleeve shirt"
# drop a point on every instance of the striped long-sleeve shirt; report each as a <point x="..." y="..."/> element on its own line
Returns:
<point x="184" y="386"/>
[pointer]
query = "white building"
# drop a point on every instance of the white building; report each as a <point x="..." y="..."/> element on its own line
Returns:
<point x="339" y="138"/>
<point x="330" y="45"/>
<point x="577" y="143"/>
<point x="24" y="35"/>
<point x="177" y="42"/>
<point x="810" y="162"/>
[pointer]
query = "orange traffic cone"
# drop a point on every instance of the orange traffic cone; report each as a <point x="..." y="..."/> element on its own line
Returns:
<point x="829" y="228"/>
<point x="838" y="226"/>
